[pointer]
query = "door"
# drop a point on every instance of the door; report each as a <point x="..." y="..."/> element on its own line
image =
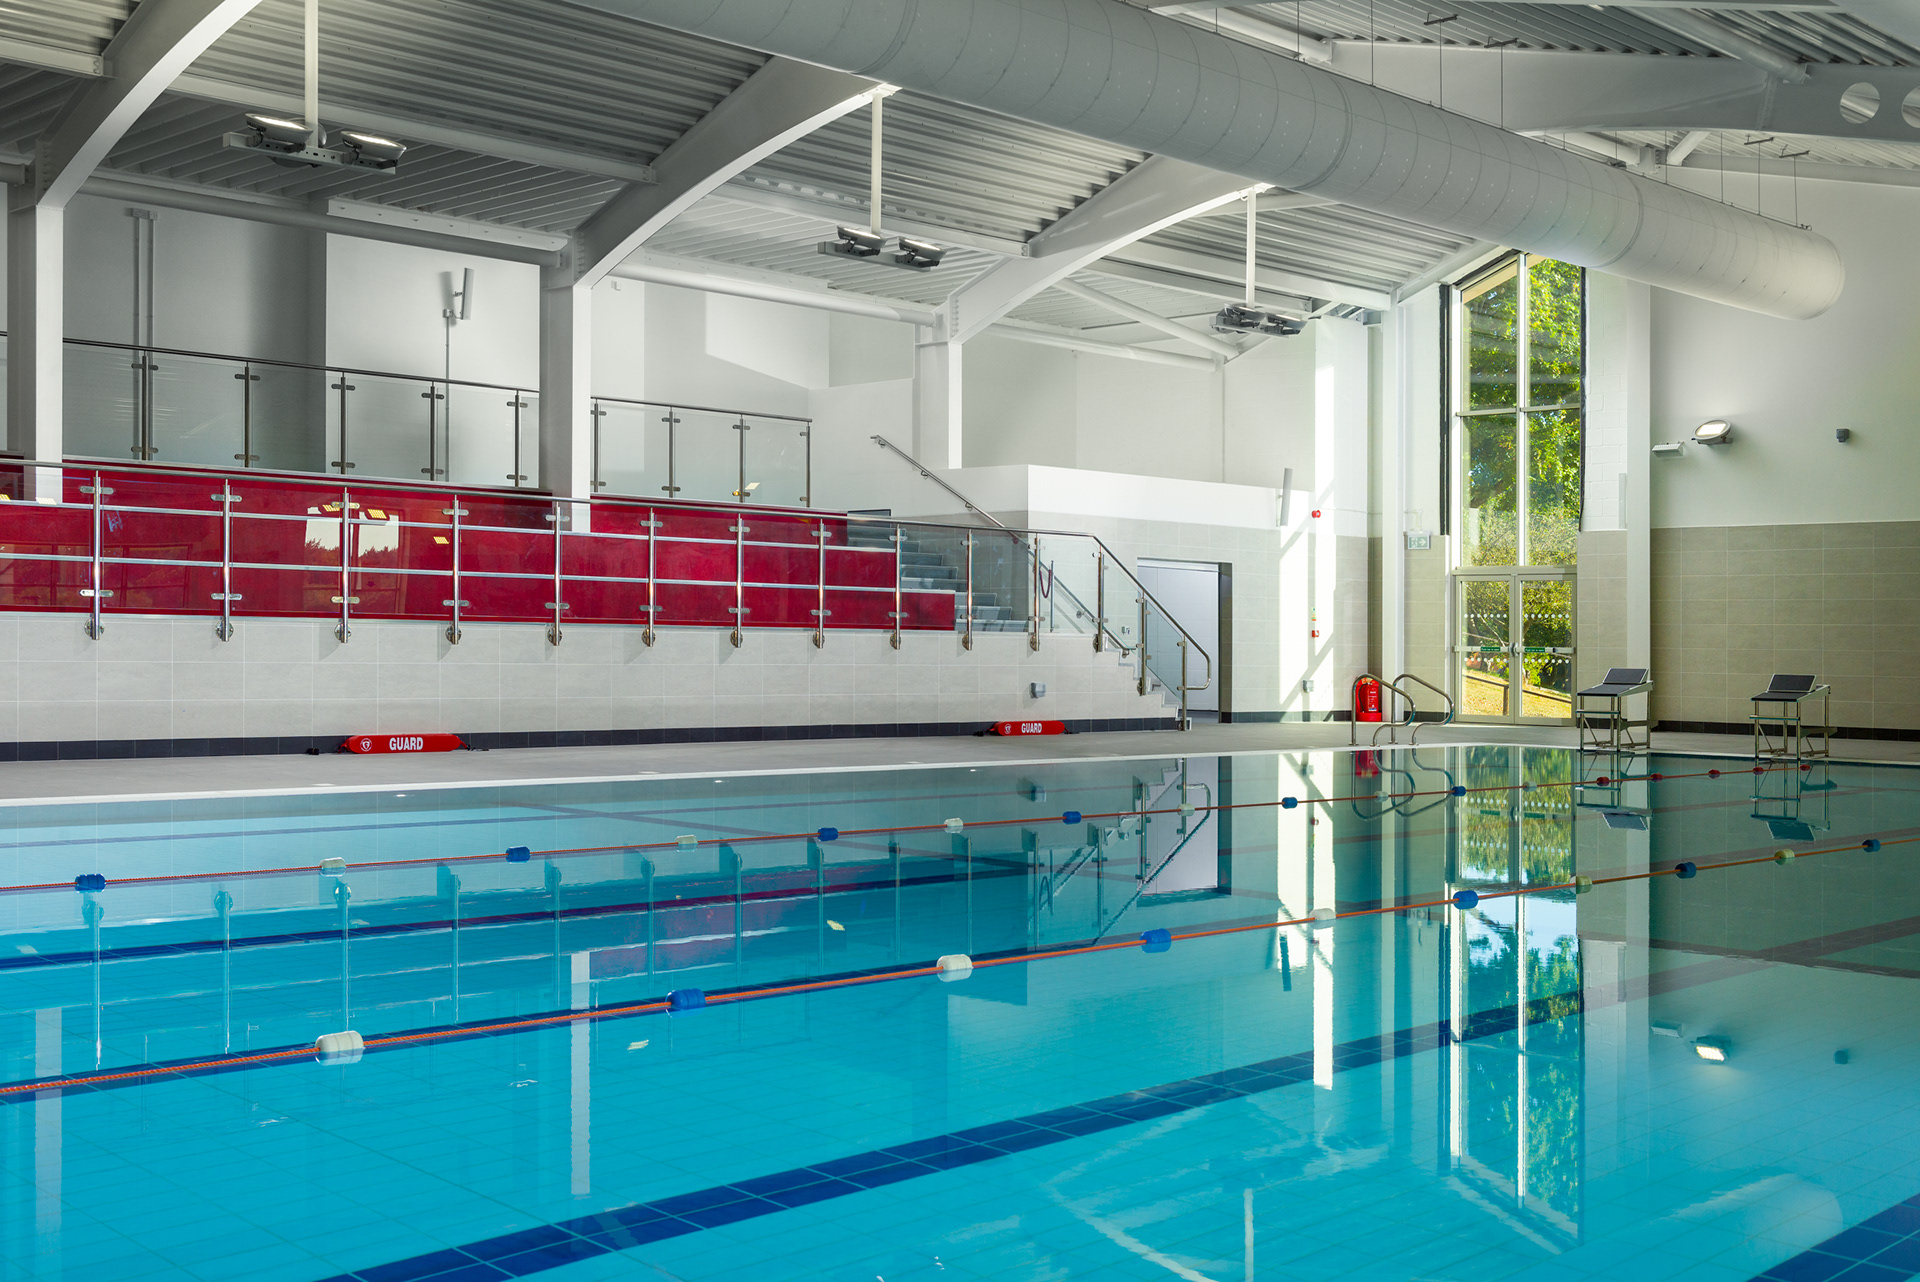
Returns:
<point x="1514" y="660"/>
<point x="1190" y="591"/>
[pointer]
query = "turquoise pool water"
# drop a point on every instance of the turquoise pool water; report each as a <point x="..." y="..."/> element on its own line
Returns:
<point x="1709" y="1077"/>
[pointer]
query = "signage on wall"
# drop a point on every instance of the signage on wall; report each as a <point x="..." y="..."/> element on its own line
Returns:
<point x="1419" y="540"/>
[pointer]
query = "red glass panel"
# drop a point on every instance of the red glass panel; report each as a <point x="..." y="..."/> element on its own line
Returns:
<point x="782" y="565"/>
<point x="767" y="527"/>
<point x="697" y="562"/>
<point x="31" y="528"/>
<point x="851" y="567"/>
<point x="595" y="602"/>
<point x="313" y="541"/>
<point x="414" y="507"/>
<point x="391" y="545"/>
<point x="621" y="518"/>
<point x="859" y="609"/>
<point x="506" y="600"/>
<point x="927" y="610"/>
<point x="507" y="551"/>
<point x="161" y="589"/>
<point x="44" y="585"/>
<point x="696" y="604"/>
<point x="160" y="536"/>
<point x="506" y="511"/>
<point x="604" y="557"/>
<point x="162" y="490"/>
<point x="697" y="523"/>
<point x="284" y="498"/>
<point x="403" y="596"/>
<point x="266" y="591"/>
<point x="781" y="607"/>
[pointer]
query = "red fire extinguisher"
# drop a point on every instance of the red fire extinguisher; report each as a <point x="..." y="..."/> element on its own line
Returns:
<point x="1366" y="700"/>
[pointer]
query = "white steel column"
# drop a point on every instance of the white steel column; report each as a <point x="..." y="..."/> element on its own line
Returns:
<point x="937" y="439"/>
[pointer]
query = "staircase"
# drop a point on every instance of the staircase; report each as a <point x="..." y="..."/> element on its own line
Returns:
<point x="924" y="569"/>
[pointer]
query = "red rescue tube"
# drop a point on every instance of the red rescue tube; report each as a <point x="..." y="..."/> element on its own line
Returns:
<point x="1029" y="727"/>
<point x="403" y="743"/>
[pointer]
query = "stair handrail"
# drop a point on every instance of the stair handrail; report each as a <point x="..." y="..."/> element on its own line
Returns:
<point x="1187" y="642"/>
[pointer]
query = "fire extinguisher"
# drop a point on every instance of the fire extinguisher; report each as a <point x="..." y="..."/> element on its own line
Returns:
<point x="1366" y="700"/>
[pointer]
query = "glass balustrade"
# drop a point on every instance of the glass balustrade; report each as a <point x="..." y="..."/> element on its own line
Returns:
<point x="160" y="406"/>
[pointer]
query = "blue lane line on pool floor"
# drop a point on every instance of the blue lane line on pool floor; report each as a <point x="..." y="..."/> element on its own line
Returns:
<point x="549" y="1246"/>
<point x="1885" y="1248"/>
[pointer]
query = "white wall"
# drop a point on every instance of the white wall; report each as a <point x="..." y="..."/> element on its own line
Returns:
<point x="384" y="305"/>
<point x="1786" y="385"/>
<point x="1020" y="403"/>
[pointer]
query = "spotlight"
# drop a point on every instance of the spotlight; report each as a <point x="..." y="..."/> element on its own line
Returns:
<point x="1714" y="432"/>
<point x="859" y="242"/>
<point x="372" y="151"/>
<point x="1239" y="318"/>
<point x="919" y="254"/>
<point x="277" y="133"/>
<point x="1712" y="1049"/>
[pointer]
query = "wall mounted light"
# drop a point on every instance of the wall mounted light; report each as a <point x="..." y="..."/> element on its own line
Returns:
<point x="1713" y="432"/>
<point x="1712" y="1049"/>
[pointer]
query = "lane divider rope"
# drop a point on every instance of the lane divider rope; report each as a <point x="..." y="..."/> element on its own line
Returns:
<point x="1156" y="941"/>
<point x="521" y="854"/>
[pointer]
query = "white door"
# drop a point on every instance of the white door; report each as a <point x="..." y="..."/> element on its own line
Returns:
<point x="1190" y="592"/>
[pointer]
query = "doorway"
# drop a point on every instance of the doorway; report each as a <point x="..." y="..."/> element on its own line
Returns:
<point x="1514" y="661"/>
<point x="1192" y="592"/>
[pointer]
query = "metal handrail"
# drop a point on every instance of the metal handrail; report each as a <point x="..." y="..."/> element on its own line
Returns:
<point x="1413" y="739"/>
<point x="701" y="409"/>
<point x="1353" y="726"/>
<point x="1187" y="641"/>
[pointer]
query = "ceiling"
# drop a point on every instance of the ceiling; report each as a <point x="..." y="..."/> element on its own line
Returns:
<point x="530" y="116"/>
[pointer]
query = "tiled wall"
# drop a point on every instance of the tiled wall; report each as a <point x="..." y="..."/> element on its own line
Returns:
<point x="1426" y="617"/>
<point x="1600" y="607"/>
<point x="1734" y="604"/>
<point x="171" y="679"/>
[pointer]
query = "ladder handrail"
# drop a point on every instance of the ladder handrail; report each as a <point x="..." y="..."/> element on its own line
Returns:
<point x="1414" y="738"/>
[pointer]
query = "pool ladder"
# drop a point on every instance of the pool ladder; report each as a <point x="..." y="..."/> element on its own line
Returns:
<point x="1392" y="727"/>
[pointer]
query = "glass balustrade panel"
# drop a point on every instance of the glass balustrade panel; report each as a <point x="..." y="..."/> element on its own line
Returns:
<point x="287" y="419"/>
<point x="3" y="383"/>
<point x="476" y="435"/>
<point x="776" y="461"/>
<point x="933" y="576"/>
<point x="105" y="402"/>
<point x="1069" y="586"/>
<point x="199" y="410"/>
<point x="633" y="449"/>
<point x="1002" y="582"/>
<point x="706" y="456"/>
<point x="383" y="426"/>
<point x="527" y="473"/>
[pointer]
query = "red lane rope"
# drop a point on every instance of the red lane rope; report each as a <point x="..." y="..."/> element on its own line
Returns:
<point x="674" y="844"/>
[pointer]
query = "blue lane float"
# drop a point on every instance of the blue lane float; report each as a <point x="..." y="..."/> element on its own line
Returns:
<point x="1466" y="898"/>
<point x="1685" y="870"/>
<point x="1870" y="844"/>
<point x="829" y="834"/>
<point x="1288" y="803"/>
<point x="518" y="854"/>
<point x="1459" y="790"/>
<point x="90" y="881"/>
<point x="1157" y="940"/>
<point x="1070" y="818"/>
<point x="684" y="999"/>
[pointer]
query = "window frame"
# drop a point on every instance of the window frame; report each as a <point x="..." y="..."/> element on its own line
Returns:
<point x="1452" y="333"/>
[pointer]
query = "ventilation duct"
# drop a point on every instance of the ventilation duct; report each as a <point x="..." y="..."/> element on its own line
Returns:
<point x="1107" y="70"/>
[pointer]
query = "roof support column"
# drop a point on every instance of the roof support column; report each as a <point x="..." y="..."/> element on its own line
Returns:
<point x="937" y="363"/>
<point x="36" y="260"/>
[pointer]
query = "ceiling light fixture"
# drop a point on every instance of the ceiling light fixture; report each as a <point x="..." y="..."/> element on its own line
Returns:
<point x="1239" y="318"/>
<point x="373" y="151"/>
<point x="1713" y="432"/>
<point x="919" y="254"/>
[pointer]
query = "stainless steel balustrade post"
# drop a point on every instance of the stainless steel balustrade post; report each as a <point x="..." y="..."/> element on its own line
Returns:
<point x="820" y="610"/>
<point x="556" y="605"/>
<point x="966" y="641"/>
<point x="1185" y="724"/>
<point x="345" y="461"/>
<point x="518" y="404"/>
<point x="739" y="607"/>
<point x="226" y="596"/>
<point x="95" y="594"/>
<point x="346" y="600"/>
<point x="246" y="457"/>
<point x="1143" y="640"/>
<point x="1100" y="600"/>
<point x="740" y="486"/>
<point x="899" y="612"/>
<point x="672" y="420"/>
<point x="596" y="413"/>
<point x="433" y="398"/>
<point x="653" y="604"/>
<point x="1033" y="624"/>
<point x="455" y="602"/>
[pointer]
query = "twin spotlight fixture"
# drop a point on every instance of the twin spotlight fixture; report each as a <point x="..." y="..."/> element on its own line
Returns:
<point x="291" y="143"/>
<point x="1240" y="318"/>
<point x="915" y="254"/>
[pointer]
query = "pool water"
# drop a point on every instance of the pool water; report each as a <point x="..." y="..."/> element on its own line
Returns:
<point x="1652" y="1076"/>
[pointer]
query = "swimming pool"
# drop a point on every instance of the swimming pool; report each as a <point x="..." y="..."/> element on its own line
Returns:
<point x="1508" y="1072"/>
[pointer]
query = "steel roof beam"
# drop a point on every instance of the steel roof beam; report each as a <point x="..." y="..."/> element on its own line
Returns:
<point x="1280" y="280"/>
<point x="1153" y="320"/>
<point x="1155" y="194"/>
<point x="781" y="102"/>
<point x="1732" y="43"/>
